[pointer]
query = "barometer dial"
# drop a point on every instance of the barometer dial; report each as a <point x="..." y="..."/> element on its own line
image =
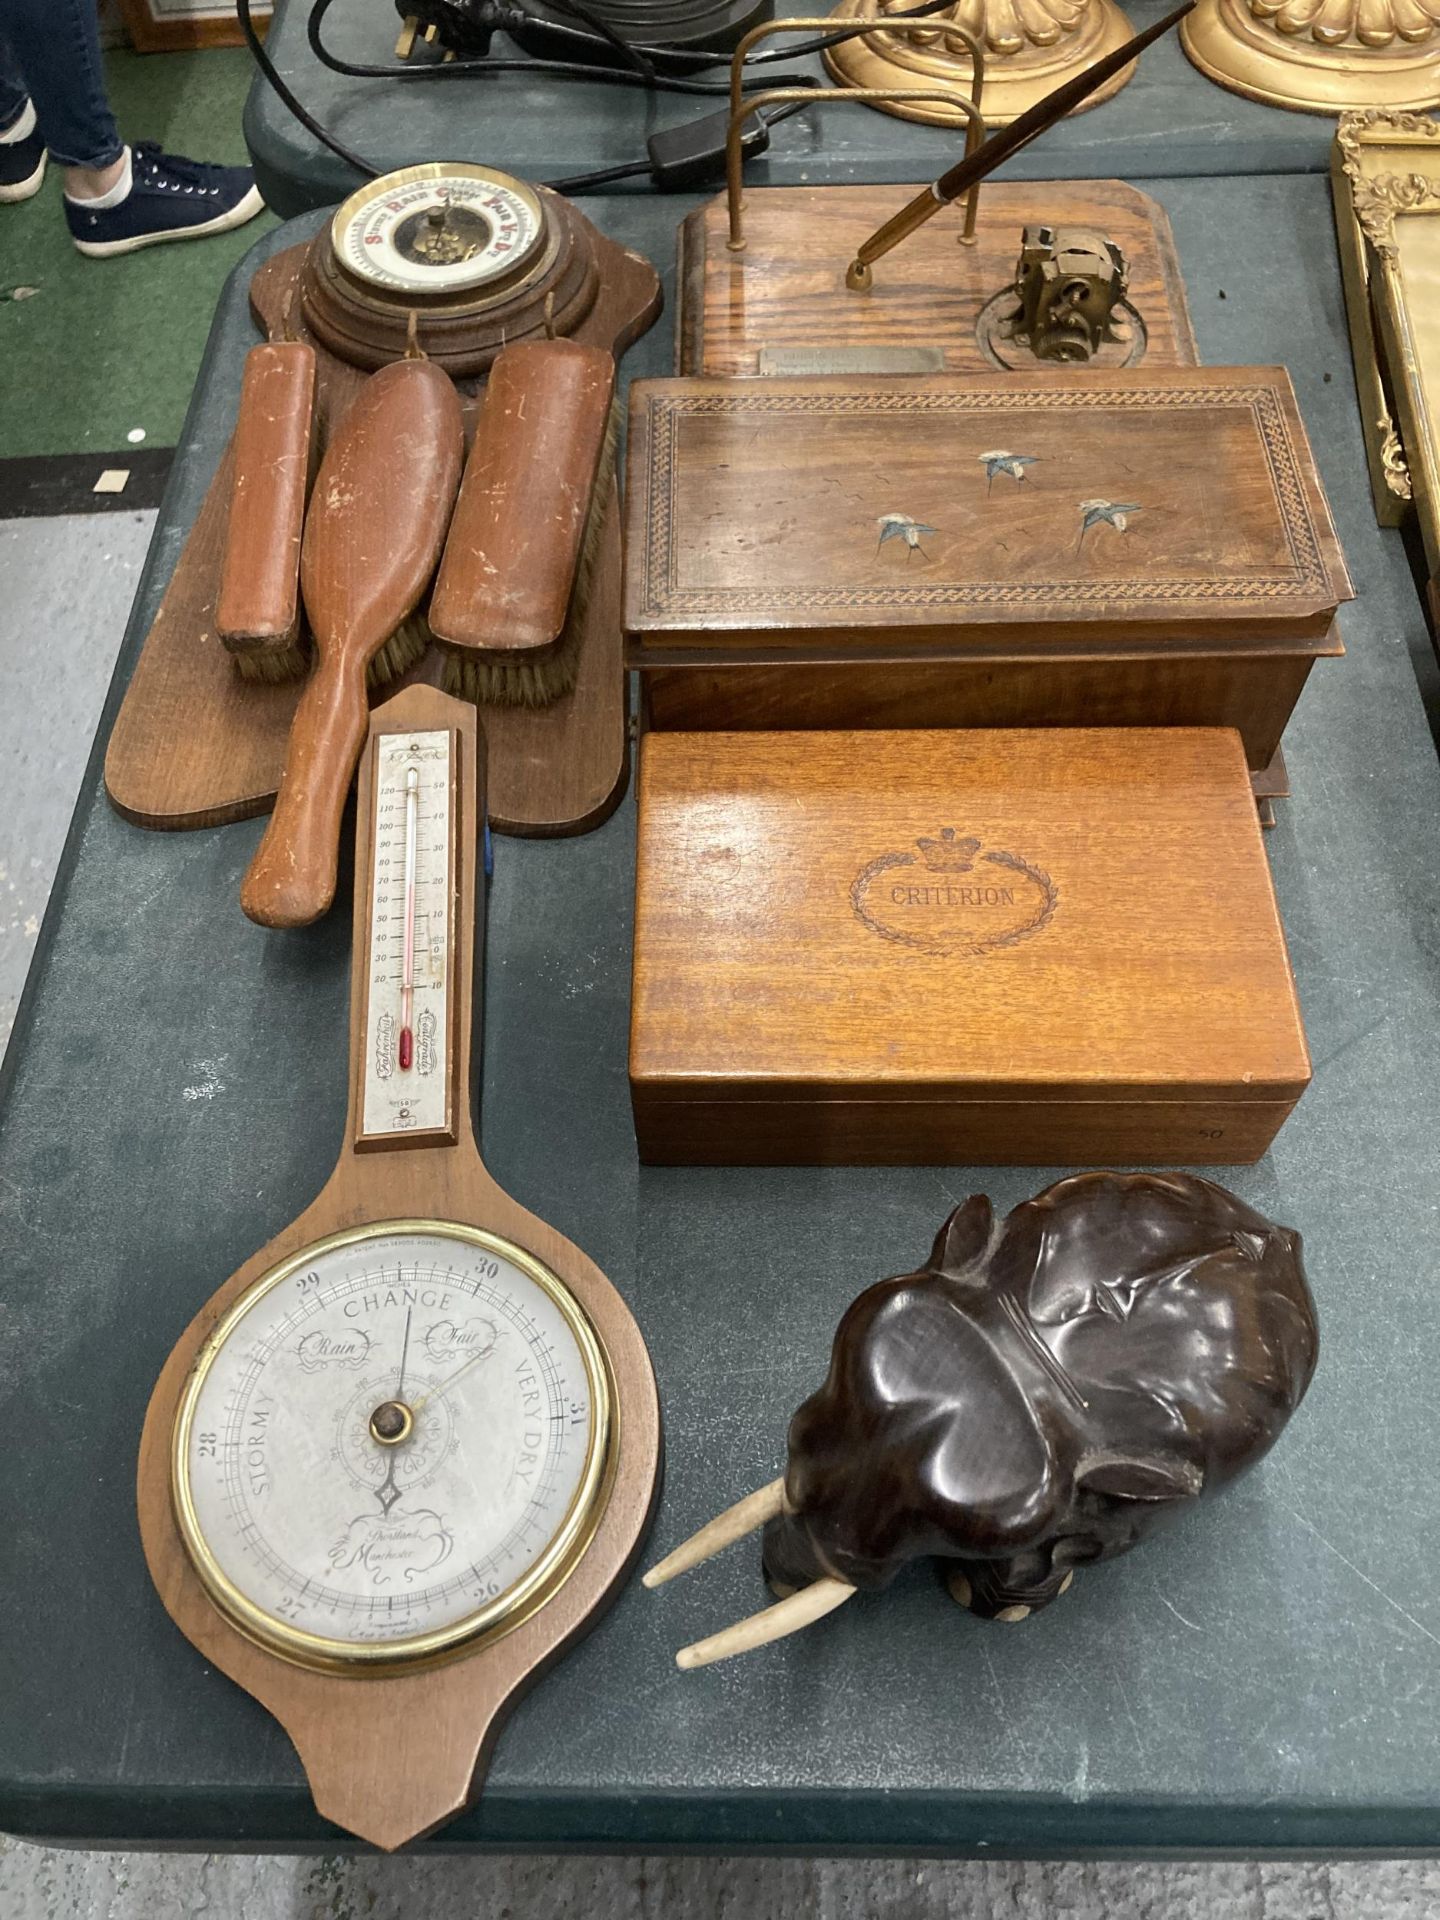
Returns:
<point x="394" y="1444"/>
<point x="439" y="229"/>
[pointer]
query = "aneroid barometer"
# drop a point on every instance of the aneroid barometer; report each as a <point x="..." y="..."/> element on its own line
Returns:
<point x="407" y="1453"/>
<point x="462" y="258"/>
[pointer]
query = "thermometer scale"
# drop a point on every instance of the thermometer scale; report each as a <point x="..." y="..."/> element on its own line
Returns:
<point x="407" y="1009"/>
<point x="411" y="1449"/>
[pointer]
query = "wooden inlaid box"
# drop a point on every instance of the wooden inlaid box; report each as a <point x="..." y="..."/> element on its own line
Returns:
<point x="1048" y="948"/>
<point x="1131" y="548"/>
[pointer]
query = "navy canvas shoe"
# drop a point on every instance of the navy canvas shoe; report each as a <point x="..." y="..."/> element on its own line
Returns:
<point x="170" y="198"/>
<point x="22" y="162"/>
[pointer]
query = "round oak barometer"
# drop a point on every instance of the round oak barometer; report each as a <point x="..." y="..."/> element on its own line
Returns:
<point x="458" y="258"/>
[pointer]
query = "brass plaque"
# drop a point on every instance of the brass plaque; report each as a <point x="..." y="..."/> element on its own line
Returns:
<point x="831" y="359"/>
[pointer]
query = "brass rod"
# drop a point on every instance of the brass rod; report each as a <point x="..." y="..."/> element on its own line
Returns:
<point x="821" y="97"/>
<point x="907" y="24"/>
<point x="967" y="173"/>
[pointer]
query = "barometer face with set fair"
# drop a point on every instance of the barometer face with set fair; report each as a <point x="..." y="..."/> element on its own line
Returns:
<point x="442" y="229"/>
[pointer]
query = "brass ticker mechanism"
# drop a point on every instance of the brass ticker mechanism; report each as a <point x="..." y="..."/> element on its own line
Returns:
<point x="444" y="235"/>
<point x="1069" y="283"/>
<point x="1067" y="303"/>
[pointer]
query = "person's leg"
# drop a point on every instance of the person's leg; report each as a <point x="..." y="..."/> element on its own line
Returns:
<point x="22" y="151"/>
<point x="14" y="94"/>
<point x="116" y="198"/>
<point x="57" y="46"/>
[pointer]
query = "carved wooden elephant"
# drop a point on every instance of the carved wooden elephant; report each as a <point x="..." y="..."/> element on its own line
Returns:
<point x="1038" y="1396"/>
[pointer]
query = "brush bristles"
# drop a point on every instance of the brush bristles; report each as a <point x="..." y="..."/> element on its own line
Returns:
<point x="272" y="665"/>
<point x="527" y="681"/>
<point x="400" y="651"/>
<point x="544" y="675"/>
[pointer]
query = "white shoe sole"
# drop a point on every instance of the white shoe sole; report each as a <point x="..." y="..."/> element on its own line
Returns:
<point x="242" y="211"/>
<point x="25" y="189"/>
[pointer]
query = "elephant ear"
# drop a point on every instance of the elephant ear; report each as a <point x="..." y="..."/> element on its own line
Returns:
<point x="1154" y="1481"/>
<point x="962" y="1241"/>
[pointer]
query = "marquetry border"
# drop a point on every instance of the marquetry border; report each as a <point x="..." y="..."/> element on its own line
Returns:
<point x="664" y="596"/>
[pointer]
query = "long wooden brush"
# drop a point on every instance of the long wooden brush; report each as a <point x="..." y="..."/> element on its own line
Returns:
<point x="377" y="522"/>
<point x="509" y="600"/>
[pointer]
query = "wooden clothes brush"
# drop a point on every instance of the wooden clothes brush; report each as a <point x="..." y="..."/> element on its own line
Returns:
<point x="376" y="525"/>
<point x="257" y="613"/>
<point x="520" y="559"/>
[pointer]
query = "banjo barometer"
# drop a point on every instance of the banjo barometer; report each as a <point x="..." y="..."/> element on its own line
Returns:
<point x="409" y="1451"/>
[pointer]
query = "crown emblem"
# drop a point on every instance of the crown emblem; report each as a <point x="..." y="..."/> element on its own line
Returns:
<point x="948" y="854"/>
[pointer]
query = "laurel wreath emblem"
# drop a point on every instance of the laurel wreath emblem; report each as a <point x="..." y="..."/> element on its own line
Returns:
<point x="1011" y="937"/>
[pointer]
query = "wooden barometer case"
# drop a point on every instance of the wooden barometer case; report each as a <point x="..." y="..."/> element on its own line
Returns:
<point x="407" y="1454"/>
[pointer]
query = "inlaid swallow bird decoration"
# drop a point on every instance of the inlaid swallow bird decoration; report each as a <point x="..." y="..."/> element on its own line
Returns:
<point x="1001" y="462"/>
<point x="900" y="526"/>
<point x="1110" y="513"/>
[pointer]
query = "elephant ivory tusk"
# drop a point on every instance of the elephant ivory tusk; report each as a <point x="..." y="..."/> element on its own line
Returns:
<point x="744" y="1517"/>
<point x="771" y="1623"/>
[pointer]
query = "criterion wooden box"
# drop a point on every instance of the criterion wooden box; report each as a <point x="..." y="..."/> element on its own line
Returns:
<point x="1077" y="548"/>
<point x="1018" y="947"/>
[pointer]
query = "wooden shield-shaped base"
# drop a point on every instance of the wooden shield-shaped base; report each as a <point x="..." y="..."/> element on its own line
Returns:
<point x="195" y="745"/>
<point x="391" y="1758"/>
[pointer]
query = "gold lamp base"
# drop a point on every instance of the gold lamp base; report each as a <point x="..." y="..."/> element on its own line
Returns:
<point x="1320" y="56"/>
<point x="1027" y="54"/>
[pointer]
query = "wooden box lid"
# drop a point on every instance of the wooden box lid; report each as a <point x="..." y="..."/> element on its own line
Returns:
<point x="1053" y="914"/>
<point x="1075" y="511"/>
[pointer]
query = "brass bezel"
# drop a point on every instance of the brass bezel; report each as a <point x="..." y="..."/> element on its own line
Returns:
<point x="521" y="270"/>
<point x="507" y="1610"/>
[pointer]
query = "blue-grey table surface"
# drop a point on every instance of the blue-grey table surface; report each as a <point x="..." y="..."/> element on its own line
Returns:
<point x="1170" y="120"/>
<point x="1263" y="1677"/>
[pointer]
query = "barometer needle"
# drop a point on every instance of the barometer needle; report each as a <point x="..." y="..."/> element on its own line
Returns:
<point x="445" y="1385"/>
<point x="404" y="1353"/>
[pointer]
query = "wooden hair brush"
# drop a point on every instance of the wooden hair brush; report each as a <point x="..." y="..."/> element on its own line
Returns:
<point x="257" y="614"/>
<point x="377" y="521"/>
<point x="519" y="561"/>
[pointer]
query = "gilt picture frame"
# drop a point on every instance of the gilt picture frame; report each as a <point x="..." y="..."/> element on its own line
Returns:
<point x="1385" y="176"/>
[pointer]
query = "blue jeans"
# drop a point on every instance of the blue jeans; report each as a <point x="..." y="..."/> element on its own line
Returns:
<point x="50" y="50"/>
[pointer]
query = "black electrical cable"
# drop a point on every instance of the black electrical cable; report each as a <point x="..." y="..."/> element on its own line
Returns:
<point x="647" y="77"/>
<point x="602" y="177"/>
<point x="306" y="119"/>
<point x="633" y="56"/>
<point x="495" y="17"/>
<point x="484" y="64"/>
